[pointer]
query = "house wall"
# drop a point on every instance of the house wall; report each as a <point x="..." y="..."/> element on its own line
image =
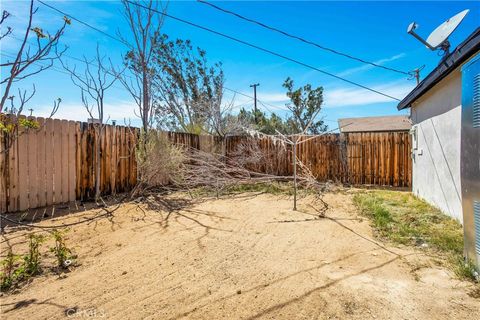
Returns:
<point x="436" y="118"/>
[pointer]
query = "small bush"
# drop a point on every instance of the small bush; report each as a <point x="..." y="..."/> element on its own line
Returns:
<point x="14" y="271"/>
<point x="61" y="251"/>
<point x="32" y="259"/>
<point x="464" y="269"/>
<point x="7" y="276"/>
<point x="158" y="161"/>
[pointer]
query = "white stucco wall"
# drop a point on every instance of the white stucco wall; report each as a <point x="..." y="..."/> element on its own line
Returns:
<point x="436" y="117"/>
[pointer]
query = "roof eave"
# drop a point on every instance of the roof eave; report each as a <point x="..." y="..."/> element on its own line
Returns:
<point x="463" y="52"/>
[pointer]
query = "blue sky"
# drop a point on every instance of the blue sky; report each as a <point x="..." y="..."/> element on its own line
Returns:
<point x="374" y="31"/>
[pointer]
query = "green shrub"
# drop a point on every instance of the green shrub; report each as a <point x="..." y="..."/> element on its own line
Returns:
<point x="31" y="261"/>
<point x="61" y="251"/>
<point x="7" y="276"/>
<point x="14" y="271"/>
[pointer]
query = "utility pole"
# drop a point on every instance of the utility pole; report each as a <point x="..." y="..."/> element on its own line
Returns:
<point x="417" y="75"/>
<point x="254" y="86"/>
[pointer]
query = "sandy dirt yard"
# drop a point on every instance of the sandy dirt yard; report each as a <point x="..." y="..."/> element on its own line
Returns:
<point x="245" y="257"/>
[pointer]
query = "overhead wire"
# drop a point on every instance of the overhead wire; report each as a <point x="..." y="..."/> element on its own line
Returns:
<point x="96" y="29"/>
<point x="290" y="35"/>
<point x="248" y="96"/>
<point x="263" y="103"/>
<point x="84" y="23"/>
<point x="212" y="31"/>
<point x="236" y="40"/>
<point x="264" y="50"/>
<point x="266" y="104"/>
<point x="81" y="60"/>
<point x="52" y="67"/>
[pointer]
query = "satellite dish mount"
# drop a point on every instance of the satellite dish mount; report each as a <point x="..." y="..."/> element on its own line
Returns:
<point x="438" y="39"/>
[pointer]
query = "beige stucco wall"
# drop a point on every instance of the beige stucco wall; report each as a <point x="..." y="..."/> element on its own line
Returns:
<point x="436" y="117"/>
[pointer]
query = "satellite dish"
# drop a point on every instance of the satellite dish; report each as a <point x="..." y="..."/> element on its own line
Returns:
<point x="438" y="39"/>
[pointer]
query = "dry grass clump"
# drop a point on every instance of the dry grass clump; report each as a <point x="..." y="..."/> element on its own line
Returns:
<point x="405" y="219"/>
<point x="158" y="161"/>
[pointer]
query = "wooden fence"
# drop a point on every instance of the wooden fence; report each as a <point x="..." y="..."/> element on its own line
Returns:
<point x="37" y="170"/>
<point x="56" y="163"/>
<point x="118" y="167"/>
<point x="380" y="158"/>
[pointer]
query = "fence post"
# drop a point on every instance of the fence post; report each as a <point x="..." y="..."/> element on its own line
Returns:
<point x="342" y="143"/>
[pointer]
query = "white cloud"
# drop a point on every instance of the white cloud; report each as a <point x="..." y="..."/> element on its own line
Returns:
<point x="344" y="96"/>
<point x="273" y="97"/>
<point x="113" y="111"/>
<point x="368" y="67"/>
<point x="275" y="101"/>
<point x="348" y="96"/>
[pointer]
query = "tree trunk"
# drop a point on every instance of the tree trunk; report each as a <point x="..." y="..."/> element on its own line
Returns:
<point x="146" y="102"/>
<point x="98" y="163"/>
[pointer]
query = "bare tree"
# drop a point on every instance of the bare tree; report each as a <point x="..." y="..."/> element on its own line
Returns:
<point x="28" y="61"/>
<point x="94" y="81"/>
<point x="5" y="15"/>
<point x="145" y="23"/>
<point x="29" y="58"/>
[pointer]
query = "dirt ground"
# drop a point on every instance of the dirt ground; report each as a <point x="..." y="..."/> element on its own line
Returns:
<point x="243" y="258"/>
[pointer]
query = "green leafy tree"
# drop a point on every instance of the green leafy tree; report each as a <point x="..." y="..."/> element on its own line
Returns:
<point x="263" y="123"/>
<point x="188" y="90"/>
<point x="305" y="104"/>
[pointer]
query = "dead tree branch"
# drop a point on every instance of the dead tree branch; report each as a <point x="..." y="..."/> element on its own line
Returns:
<point x="145" y="28"/>
<point x="26" y="61"/>
<point x="93" y="83"/>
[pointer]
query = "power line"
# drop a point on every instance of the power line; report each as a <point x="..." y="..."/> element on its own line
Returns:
<point x="53" y="68"/>
<point x="303" y="39"/>
<point x="207" y="29"/>
<point x="264" y="50"/>
<point x="81" y="60"/>
<point x="264" y="104"/>
<point x="117" y="39"/>
<point x="38" y="63"/>
<point x="247" y="96"/>
<point x="249" y="103"/>
<point x="231" y="38"/>
<point x="238" y="92"/>
<point x="84" y="23"/>
<point x="268" y="109"/>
